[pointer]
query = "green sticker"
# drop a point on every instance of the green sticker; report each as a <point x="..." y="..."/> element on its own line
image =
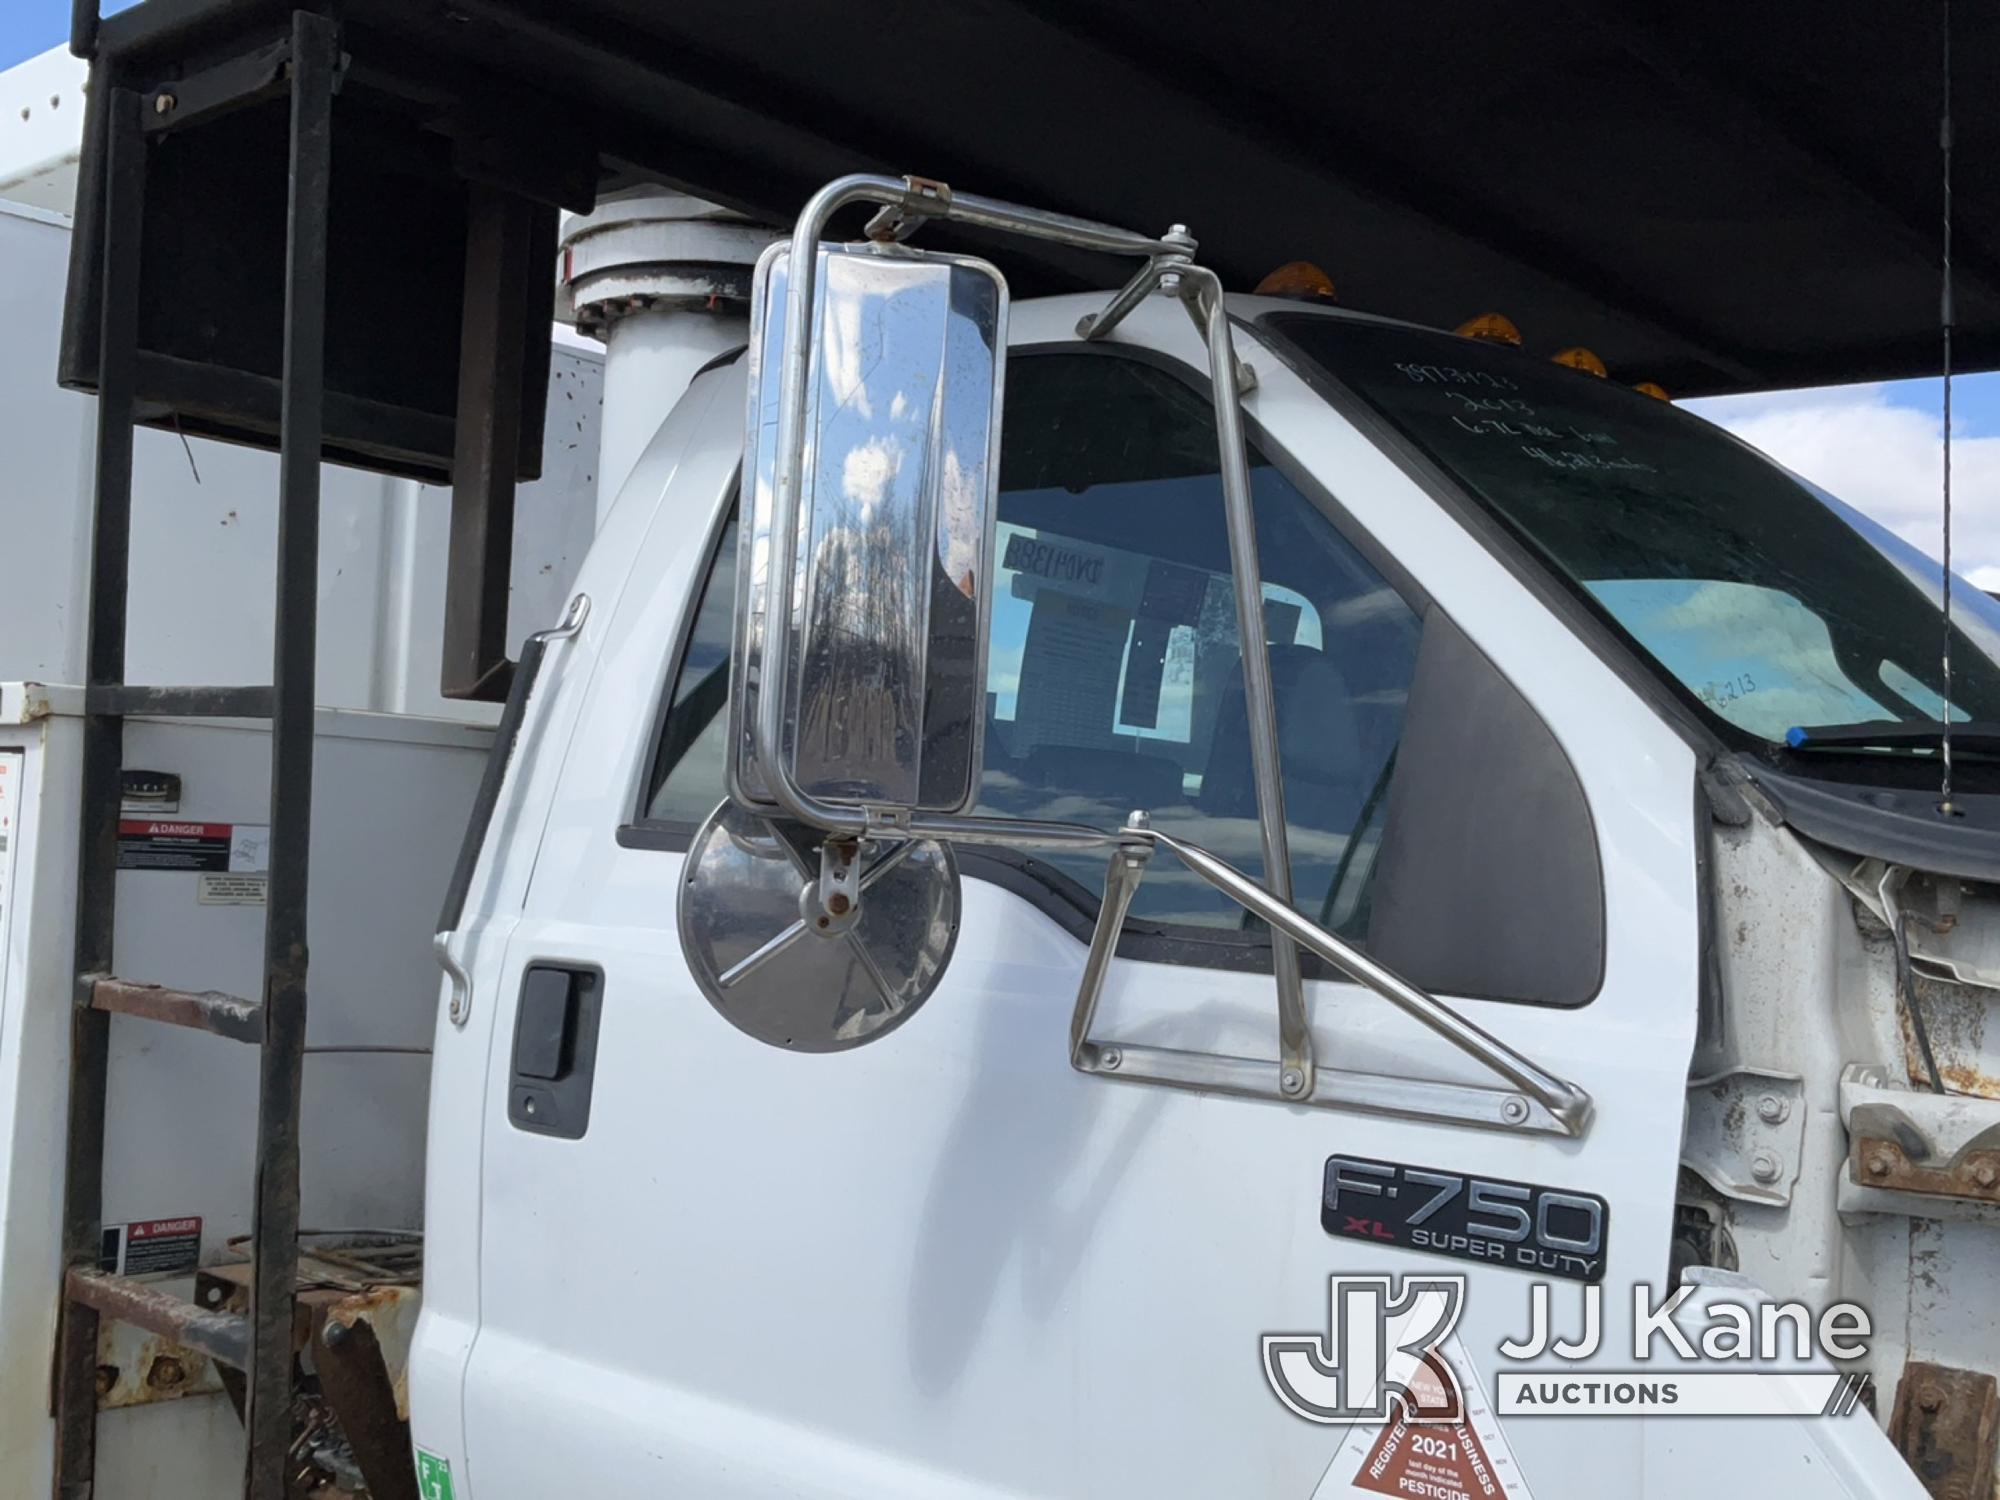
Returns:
<point x="433" y="1477"/>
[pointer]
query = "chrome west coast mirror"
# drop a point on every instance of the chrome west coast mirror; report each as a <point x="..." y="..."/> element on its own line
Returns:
<point x="882" y="680"/>
<point x="871" y="442"/>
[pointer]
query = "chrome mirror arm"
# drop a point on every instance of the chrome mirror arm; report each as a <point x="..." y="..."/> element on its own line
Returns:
<point x="1200" y="292"/>
<point x="1202" y="289"/>
<point x="1122" y="875"/>
<point x="1537" y="1101"/>
<point x="1162" y="273"/>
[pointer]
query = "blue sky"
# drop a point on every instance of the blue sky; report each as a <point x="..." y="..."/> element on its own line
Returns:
<point x="1876" y="446"/>
<point x="1879" y="448"/>
<point x="31" y="26"/>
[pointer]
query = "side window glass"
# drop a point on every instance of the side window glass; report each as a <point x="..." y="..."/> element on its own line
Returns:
<point x="689" y="770"/>
<point x="1115" y="678"/>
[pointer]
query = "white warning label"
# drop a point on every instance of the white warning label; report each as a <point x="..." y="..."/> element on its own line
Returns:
<point x="1465" y="1460"/>
<point x="229" y="890"/>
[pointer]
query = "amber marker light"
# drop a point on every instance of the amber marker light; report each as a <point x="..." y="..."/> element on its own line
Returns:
<point x="1492" y="328"/>
<point x="1299" y="279"/>
<point x="1580" y="358"/>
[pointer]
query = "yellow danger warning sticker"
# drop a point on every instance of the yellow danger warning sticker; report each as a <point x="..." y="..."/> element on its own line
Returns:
<point x="1463" y="1460"/>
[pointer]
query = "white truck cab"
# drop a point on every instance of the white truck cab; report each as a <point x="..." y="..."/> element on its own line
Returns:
<point x="1145" y="894"/>
<point x="1536" y="645"/>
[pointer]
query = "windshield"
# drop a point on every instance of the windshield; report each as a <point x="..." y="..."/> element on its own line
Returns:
<point x="1748" y="588"/>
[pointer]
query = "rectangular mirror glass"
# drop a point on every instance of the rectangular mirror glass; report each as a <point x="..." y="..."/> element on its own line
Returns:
<point x="886" y="683"/>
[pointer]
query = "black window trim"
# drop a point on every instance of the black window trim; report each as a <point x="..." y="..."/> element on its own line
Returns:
<point x="1064" y="900"/>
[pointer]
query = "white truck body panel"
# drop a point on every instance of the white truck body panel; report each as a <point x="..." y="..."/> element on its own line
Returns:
<point x="391" y="797"/>
<point x="204" y="529"/>
<point x="41" y="129"/>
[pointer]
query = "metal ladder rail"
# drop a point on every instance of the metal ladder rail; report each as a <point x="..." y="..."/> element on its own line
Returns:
<point x="261" y="1344"/>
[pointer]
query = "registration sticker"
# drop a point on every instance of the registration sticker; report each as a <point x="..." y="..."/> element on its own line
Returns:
<point x="1464" y="1460"/>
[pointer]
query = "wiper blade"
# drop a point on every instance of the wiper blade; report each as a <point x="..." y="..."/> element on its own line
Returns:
<point x="1977" y="737"/>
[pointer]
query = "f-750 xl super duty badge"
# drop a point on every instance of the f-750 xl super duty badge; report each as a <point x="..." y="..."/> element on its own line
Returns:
<point x="1541" y="1229"/>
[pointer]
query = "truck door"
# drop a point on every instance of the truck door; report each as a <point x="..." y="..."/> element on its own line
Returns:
<point x="946" y="1264"/>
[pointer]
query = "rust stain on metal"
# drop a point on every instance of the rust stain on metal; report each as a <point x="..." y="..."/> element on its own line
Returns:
<point x="1733" y="1120"/>
<point x="355" y="1378"/>
<point x="216" y="1334"/>
<point x="1944" y="1425"/>
<point x="1974" y="1173"/>
<point x="344" y="1287"/>
<point x="390" y="1312"/>
<point x="136" y="1368"/>
<point x="1956" y="1016"/>
<point x="205" y="1010"/>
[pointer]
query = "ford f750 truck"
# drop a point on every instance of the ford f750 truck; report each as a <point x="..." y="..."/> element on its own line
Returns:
<point x="1149" y="892"/>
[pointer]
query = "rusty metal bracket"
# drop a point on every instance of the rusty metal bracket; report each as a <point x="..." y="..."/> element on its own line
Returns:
<point x="1944" y="1425"/>
<point x="223" y="1015"/>
<point x="354" y="1319"/>
<point x="222" y="1336"/>
<point x="506" y="238"/>
<point x="1902" y="1141"/>
<point x="136" y="1367"/>
<point x="1879" y="1161"/>
<point x="355" y="1380"/>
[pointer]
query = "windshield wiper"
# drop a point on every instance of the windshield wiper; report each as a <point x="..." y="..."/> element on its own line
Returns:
<point x="1974" y="736"/>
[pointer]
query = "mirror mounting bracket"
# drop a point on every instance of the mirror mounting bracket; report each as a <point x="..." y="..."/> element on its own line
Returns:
<point x="895" y="222"/>
<point x="839" y="890"/>
<point x="1535" y="1101"/>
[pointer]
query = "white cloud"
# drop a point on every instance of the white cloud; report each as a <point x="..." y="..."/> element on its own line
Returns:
<point x="959" y="542"/>
<point x="841" y="338"/>
<point x="866" y="471"/>
<point x="1885" y="460"/>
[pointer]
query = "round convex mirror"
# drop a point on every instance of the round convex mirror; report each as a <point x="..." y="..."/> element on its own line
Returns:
<point x="788" y="972"/>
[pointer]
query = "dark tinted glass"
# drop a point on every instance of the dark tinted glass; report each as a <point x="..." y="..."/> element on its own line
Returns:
<point x="1743" y="584"/>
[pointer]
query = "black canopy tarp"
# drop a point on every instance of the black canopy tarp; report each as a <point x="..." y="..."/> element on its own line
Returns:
<point x="1716" y="194"/>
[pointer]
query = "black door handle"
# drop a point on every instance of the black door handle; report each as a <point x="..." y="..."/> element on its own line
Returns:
<point x="555" y="1049"/>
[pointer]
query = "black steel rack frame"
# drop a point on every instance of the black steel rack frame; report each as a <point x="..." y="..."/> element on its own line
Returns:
<point x="193" y="112"/>
<point x="259" y="1345"/>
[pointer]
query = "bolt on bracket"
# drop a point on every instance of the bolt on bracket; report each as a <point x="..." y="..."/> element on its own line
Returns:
<point x="1746" y="1133"/>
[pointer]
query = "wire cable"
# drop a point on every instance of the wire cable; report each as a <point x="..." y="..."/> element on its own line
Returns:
<point x="1945" y="319"/>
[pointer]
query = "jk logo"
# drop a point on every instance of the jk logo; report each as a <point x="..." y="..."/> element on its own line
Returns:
<point x="1379" y="1353"/>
